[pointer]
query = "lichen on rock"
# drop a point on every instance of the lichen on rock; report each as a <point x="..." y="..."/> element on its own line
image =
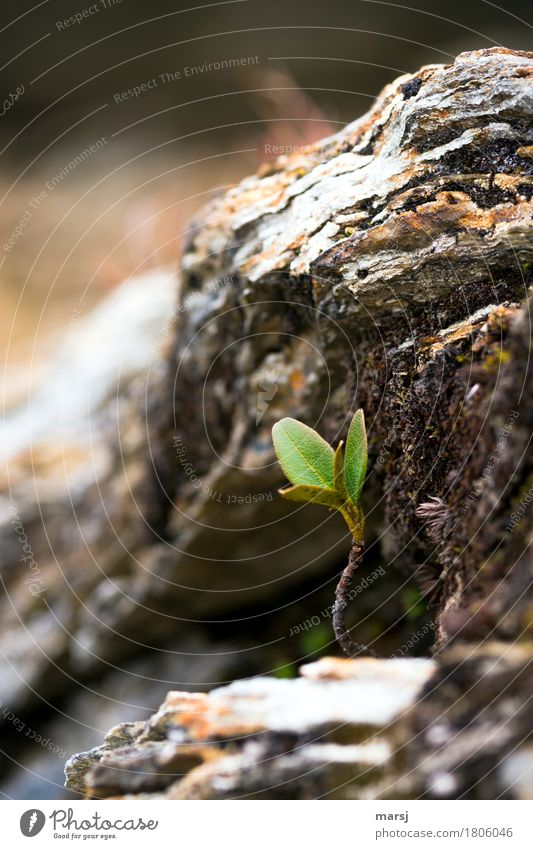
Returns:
<point x="325" y="733"/>
<point x="386" y="267"/>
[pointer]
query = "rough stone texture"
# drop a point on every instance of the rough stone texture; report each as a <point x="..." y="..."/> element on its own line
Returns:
<point x="469" y="735"/>
<point x="386" y="267"/>
<point x="407" y="728"/>
<point x="325" y="733"/>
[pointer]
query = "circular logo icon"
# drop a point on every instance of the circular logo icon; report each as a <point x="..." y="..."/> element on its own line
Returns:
<point x="32" y="822"/>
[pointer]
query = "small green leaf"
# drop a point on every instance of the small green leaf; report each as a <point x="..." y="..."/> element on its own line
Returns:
<point x="321" y="475"/>
<point x="339" y="472"/>
<point x="303" y="455"/>
<point x="356" y="457"/>
<point x="313" y="494"/>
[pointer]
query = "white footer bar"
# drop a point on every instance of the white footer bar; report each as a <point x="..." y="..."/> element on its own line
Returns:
<point x="256" y="824"/>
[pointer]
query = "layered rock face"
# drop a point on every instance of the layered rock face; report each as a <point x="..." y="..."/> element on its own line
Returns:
<point x="386" y="267"/>
<point x="346" y="729"/>
<point x="327" y="733"/>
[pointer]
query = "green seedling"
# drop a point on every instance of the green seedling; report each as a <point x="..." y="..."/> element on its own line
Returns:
<point x="320" y="475"/>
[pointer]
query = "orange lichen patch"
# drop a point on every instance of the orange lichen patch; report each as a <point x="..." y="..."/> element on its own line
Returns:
<point x="429" y="350"/>
<point x="511" y="181"/>
<point x="297" y="380"/>
<point x="297" y="243"/>
<point x="416" y="227"/>
<point x="266" y="193"/>
<point x="500" y="318"/>
<point x="222" y="719"/>
<point x="203" y="718"/>
<point x="277" y="260"/>
<point x="171" y="711"/>
<point x="472" y="181"/>
<point x="200" y="723"/>
<point x="484" y="219"/>
<point x="496" y="320"/>
<point x="426" y="341"/>
<point x="450" y="209"/>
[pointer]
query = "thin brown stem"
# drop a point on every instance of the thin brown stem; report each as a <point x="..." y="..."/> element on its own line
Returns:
<point x="342" y="598"/>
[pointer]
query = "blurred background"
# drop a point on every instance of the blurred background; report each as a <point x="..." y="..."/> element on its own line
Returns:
<point x="120" y="119"/>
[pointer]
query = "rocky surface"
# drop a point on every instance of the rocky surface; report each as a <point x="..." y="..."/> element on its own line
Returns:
<point x="326" y="733"/>
<point x="346" y="729"/>
<point x="386" y="267"/>
<point x="469" y="735"/>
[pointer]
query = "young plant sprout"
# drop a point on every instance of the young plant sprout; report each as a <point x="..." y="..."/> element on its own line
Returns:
<point x="320" y="475"/>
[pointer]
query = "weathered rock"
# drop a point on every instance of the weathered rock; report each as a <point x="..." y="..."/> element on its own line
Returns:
<point x="409" y="728"/>
<point x="469" y="735"/>
<point x="118" y="737"/>
<point x="123" y="696"/>
<point x="386" y="267"/>
<point x="325" y="733"/>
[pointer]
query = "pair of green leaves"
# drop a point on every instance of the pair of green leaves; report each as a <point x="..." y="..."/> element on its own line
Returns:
<point x="321" y="475"/>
